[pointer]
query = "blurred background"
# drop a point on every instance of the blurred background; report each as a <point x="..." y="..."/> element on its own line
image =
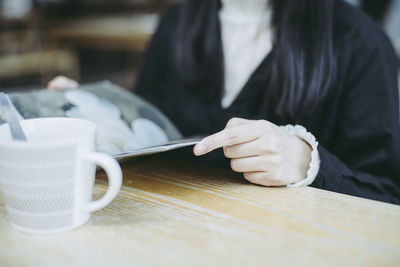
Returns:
<point x="93" y="40"/>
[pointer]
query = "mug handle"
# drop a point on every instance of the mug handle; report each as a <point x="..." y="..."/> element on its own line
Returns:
<point x="114" y="174"/>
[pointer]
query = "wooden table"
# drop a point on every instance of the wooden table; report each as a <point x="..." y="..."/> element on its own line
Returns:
<point x="176" y="213"/>
<point x="123" y="32"/>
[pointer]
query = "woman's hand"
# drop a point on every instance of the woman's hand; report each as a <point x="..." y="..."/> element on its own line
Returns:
<point x="61" y="83"/>
<point x="263" y="152"/>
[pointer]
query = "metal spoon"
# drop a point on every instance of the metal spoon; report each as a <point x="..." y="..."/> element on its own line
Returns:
<point x="15" y="127"/>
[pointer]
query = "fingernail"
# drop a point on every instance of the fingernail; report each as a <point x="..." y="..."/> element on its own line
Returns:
<point x="200" y="149"/>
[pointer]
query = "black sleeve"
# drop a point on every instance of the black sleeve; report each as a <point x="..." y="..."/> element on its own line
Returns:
<point x="157" y="64"/>
<point x="365" y="157"/>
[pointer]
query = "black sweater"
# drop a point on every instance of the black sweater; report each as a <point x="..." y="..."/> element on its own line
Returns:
<point x="357" y="126"/>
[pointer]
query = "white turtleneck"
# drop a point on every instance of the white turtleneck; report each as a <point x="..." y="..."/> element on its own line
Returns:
<point x="246" y="40"/>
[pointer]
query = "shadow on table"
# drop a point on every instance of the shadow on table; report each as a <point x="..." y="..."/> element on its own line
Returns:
<point x="155" y="186"/>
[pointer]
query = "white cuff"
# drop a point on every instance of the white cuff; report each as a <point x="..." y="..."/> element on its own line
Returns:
<point x="301" y="132"/>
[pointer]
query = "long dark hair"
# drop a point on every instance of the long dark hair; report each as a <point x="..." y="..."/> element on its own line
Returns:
<point x="303" y="59"/>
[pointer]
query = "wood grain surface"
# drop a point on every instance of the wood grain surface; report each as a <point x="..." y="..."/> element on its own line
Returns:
<point x="176" y="213"/>
<point x="130" y="32"/>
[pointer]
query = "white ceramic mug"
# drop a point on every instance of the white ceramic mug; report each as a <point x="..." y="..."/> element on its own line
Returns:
<point x="47" y="182"/>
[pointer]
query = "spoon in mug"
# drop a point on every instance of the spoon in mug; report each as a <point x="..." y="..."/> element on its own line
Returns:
<point x="11" y="117"/>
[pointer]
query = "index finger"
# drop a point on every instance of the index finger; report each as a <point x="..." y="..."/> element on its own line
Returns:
<point x="226" y="137"/>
